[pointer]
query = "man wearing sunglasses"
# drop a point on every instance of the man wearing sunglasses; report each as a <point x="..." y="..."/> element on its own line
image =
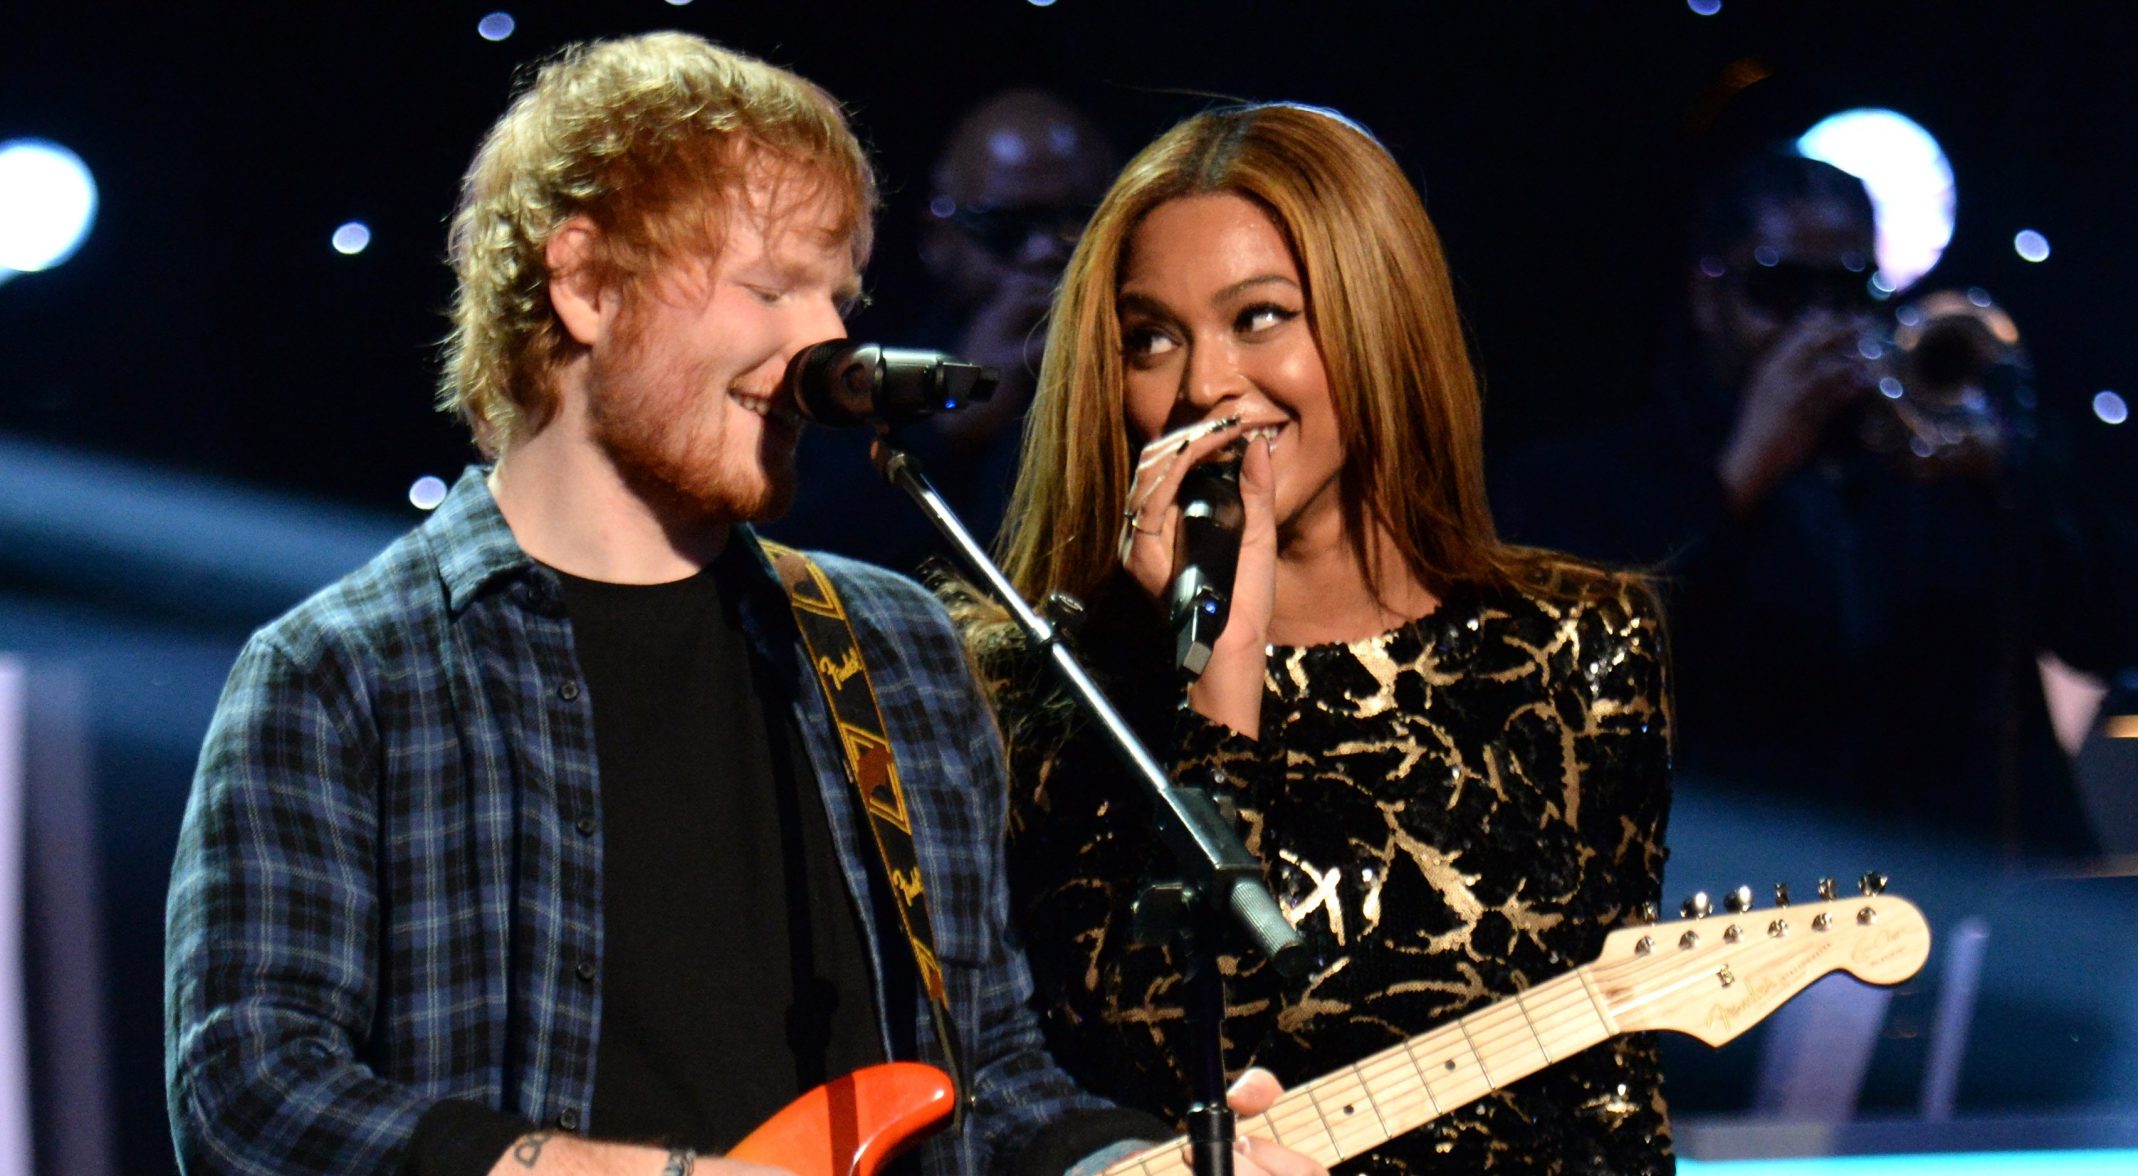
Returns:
<point x="1006" y="200"/>
<point x="1852" y="635"/>
<point x="1780" y="307"/>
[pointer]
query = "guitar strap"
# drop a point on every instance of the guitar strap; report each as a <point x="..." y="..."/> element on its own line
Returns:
<point x="835" y="655"/>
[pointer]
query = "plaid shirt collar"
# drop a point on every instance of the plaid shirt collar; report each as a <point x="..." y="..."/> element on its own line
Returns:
<point x="474" y="547"/>
<point x="470" y="540"/>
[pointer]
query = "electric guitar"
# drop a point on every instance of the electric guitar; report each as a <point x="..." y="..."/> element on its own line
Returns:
<point x="1711" y="976"/>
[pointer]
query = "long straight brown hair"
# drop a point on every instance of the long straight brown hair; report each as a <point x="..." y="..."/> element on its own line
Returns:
<point x="1380" y="307"/>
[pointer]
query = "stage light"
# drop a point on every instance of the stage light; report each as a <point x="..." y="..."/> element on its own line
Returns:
<point x="1704" y="7"/>
<point x="427" y="492"/>
<point x="1042" y="3"/>
<point x="1908" y="177"/>
<point x="47" y="203"/>
<point x="352" y="238"/>
<point x="495" y="27"/>
<point x="2030" y="245"/>
<point x="2110" y="407"/>
<point x="677" y="3"/>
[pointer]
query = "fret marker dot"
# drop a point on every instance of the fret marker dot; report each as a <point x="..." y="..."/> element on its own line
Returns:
<point x="1451" y="1066"/>
<point x="1347" y="1110"/>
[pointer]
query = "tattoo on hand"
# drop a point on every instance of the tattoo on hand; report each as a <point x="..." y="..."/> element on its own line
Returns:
<point x="681" y="1160"/>
<point x="529" y="1147"/>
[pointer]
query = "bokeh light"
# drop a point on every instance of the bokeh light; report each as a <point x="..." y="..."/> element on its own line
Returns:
<point x="352" y="238"/>
<point x="2030" y="245"/>
<point x="1908" y="177"/>
<point x="426" y="492"/>
<point x="1704" y="7"/>
<point x="495" y="27"/>
<point x="2110" y="408"/>
<point x="47" y="203"/>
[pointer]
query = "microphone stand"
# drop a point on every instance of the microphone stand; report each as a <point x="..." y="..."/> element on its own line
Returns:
<point x="1218" y="879"/>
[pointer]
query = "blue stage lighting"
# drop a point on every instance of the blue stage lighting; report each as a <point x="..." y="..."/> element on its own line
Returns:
<point x="47" y="203"/>
<point x="2110" y="408"/>
<point x="1909" y="179"/>
<point x="352" y="238"/>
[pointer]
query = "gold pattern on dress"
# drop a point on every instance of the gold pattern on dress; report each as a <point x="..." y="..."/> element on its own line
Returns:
<point x="1323" y="898"/>
<point x="1370" y="905"/>
<point x="1449" y="813"/>
<point x="1374" y="656"/>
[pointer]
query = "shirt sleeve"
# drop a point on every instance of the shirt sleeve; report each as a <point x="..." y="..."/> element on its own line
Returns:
<point x="1631" y="1128"/>
<point x="270" y="945"/>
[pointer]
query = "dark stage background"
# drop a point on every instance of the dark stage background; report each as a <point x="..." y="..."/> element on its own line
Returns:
<point x="209" y="411"/>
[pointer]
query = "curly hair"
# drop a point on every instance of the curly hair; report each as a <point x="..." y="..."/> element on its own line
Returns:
<point x="651" y="139"/>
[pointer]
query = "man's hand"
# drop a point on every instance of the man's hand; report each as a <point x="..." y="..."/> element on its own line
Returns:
<point x="545" y="1153"/>
<point x="1253" y="1094"/>
<point x="1004" y="333"/>
<point x="1810" y="373"/>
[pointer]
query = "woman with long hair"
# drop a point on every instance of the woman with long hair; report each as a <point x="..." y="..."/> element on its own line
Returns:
<point x="1450" y="754"/>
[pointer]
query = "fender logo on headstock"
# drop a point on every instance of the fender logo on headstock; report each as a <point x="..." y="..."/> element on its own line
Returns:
<point x="1763" y="987"/>
<point x="1882" y="946"/>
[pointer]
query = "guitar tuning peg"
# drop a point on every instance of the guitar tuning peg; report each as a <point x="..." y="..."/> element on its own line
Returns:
<point x="1826" y="889"/>
<point x="1872" y="884"/>
<point x="1697" y="907"/>
<point x="1648" y="912"/>
<point x="1781" y="894"/>
<point x="1738" y="901"/>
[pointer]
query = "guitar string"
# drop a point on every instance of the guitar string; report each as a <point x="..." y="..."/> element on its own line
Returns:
<point x="1550" y="1012"/>
<point x="1568" y="989"/>
<point x="1555" y="1002"/>
<point x="1643" y="991"/>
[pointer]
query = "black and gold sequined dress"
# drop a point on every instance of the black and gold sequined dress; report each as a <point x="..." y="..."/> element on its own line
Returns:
<point x="1449" y="813"/>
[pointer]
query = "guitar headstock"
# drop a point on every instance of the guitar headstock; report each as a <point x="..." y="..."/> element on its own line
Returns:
<point x="1715" y="974"/>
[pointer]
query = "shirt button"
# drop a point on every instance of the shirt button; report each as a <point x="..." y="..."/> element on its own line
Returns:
<point x="569" y="1120"/>
<point x="587" y="826"/>
<point x="586" y="970"/>
<point x="569" y="691"/>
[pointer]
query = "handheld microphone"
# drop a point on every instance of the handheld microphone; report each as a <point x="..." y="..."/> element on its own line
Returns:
<point x="841" y="382"/>
<point x="1206" y="553"/>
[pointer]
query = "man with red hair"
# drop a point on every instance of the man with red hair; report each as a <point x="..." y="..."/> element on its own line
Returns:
<point x="528" y="846"/>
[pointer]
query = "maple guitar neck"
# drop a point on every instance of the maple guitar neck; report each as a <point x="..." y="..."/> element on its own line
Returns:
<point x="1711" y="977"/>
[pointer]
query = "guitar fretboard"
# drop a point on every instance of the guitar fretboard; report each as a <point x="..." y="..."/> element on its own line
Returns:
<point x="1361" y="1106"/>
<point x="1724" y="974"/>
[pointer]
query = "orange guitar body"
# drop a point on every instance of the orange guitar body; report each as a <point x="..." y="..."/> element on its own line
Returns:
<point x="853" y="1126"/>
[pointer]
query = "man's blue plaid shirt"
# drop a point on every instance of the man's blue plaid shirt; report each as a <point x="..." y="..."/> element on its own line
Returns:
<point x="389" y="878"/>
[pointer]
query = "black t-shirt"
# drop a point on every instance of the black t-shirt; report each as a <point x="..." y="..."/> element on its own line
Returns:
<point x="734" y="974"/>
<point x="722" y="900"/>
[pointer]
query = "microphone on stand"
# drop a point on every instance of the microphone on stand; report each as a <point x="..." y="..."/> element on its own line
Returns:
<point x="841" y="382"/>
<point x="1206" y="553"/>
